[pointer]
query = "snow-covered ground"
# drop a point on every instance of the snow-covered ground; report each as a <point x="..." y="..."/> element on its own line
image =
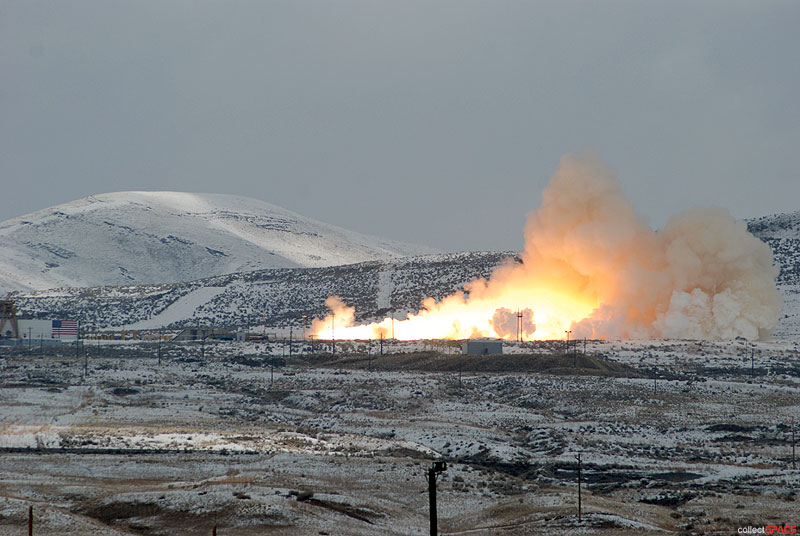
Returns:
<point x="684" y="437"/>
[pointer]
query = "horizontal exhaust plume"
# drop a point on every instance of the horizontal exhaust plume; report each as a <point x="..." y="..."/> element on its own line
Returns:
<point x="593" y="266"/>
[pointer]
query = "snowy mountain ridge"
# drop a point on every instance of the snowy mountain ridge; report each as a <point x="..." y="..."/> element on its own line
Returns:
<point x="376" y="288"/>
<point x="167" y="237"/>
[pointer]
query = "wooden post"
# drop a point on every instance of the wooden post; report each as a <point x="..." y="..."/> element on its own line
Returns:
<point x="30" y="520"/>
<point x="793" y="445"/>
<point x="579" y="486"/>
<point x="436" y="467"/>
<point x="432" y="501"/>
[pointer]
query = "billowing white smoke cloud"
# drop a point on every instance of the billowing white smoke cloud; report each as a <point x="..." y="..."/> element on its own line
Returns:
<point x="592" y="265"/>
<point x="343" y="315"/>
<point x="504" y="323"/>
<point x="702" y="277"/>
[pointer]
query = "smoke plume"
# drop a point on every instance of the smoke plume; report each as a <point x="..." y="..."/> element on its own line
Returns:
<point x="703" y="277"/>
<point x="504" y="323"/>
<point x="592" y="265"/>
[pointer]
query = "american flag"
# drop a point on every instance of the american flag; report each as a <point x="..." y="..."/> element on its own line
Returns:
<point x="65" y="327"/>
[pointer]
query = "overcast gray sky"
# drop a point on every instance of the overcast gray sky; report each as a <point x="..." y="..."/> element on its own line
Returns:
<point x="430" y="122"/>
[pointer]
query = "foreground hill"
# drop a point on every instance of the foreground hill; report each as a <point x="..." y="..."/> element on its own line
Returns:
<point x="165" y="237"/>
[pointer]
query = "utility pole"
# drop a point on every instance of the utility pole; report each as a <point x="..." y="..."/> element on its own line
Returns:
<point x="793" y="444"/>
<point x="655" y="385"/>
<point x="381" y="342"/>
<point x="304" y="325"/>
<point x="160" y="336"/>
<point x="752" y="363"/>
<point x="575" y="353"/>
<point x="333" y="335"/>
<point x="29" y="336"/>
<point x="578" y="457"/>
<point x="568" y="331"/>
<point x="290" y="342"/>
<point x="435" y="468"/>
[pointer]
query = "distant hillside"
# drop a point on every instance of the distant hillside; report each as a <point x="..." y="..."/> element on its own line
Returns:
<point x="376" y="288"/>
<point x="166" y="237"/>
<point x="277" y="296"/>
<point x="782" y="233"/>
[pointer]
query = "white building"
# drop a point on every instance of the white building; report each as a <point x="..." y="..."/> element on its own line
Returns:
<point x="47" y="330"/>
<point x="482" y="347"/>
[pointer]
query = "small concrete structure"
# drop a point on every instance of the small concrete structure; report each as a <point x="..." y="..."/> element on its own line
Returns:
<point x="199" y="334"/>
<point x="482" y="347"/>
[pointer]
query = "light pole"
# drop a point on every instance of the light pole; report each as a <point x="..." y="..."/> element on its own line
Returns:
<point x="568" y="331"/>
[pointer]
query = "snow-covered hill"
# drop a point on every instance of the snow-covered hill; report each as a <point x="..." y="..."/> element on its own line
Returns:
<point x="782" y="233"/>
<point x="376" y="288"/>
<point x="279" y="296"/>
<point x="128" y="238"/>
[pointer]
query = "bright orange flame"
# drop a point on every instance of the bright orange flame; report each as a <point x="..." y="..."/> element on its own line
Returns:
<point x="555" y="305"/>
<point x="591" y="265"/>
<point x="458" y="317"/>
